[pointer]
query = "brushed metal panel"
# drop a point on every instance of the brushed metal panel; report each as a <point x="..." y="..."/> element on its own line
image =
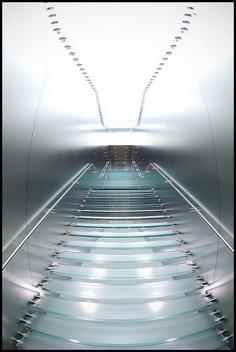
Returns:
<point x="188" y="115"/>
<point x="44" y="98"/>
<point x="224" y="286"/>
<point x="17" y="290"/>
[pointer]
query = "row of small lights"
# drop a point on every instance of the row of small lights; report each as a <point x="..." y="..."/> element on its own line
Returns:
<point x="63" y="39"/>
<point x="184" y="28"/>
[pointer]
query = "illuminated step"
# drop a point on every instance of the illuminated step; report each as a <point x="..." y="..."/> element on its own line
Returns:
<point x="100" y="234"/>
<point x="121" y="312"/>
<point x="125" y="258"/>
<point x="130" y="225"/>
<point x="125" y="201"/>
<point x="143" y="190"/>
<point x="115" y="293"/>
<point x="131" y="334"/>
<point x="207" y="340"/>
<point x="107" y="210"/>
<point x="123" y="217"/>
<point x="128" y="206"/>
<point x="122" y="192"/>
<point x="96" y="274"/>
<point x="122" y="245"/>
<point x="121" y="197"/>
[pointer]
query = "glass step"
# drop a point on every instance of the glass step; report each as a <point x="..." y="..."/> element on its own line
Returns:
<point x="122" y="193"/>
<point x="129" y="206"/>
<point x="132" y="312"/>
<point x="130" y="225"/>
<point x="114" y="293"/>
<point x="107" y="274"/>
<point x="122" y="197"/>
<point x="108" y="210"/>
<point x="126" y="334"/>
<point x="207" y="340"/>
<point x="138" y="191"/>
<point x="100" y="234"/>
<point x="123" y="217"/>
<point x="117" y="258"/>
<point x="122" y="200"/>
<point x="122" y="245"/>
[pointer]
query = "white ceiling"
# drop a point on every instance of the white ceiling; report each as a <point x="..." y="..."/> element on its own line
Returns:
<point x="120" y="44"/>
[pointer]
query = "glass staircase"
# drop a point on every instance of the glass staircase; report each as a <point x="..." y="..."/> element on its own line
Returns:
<point x="121" y="278"/>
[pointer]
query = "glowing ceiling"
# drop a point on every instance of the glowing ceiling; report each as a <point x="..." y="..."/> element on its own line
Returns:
<point x="120" y="45"/>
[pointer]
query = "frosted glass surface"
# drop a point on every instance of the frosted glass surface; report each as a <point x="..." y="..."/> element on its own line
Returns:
<point x="139" y="258"/>
<point x="204" y="341"/>
<point x="122" y="234"/>
<point x="123" y="334"/>
<point x="122" y="217"/>
<point x="122" y="312"/>
<point x="108" y="210"/>
<point x="129" y="225"/>
<point x="145" y="273"/>
<point x="123" y="245"/>
<point x="147" y="291"/>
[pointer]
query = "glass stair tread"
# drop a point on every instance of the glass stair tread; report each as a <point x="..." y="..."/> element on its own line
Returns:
<point x="126" y="334"/>
<point x="121" y="200"/>
<point x="121" y="206"/>
<point x="139" y="258"/>
<point x="100" y="234"/>
<point x="113" y="274"/>
<point x="118" y="245"/>
<point x="120" y="192"/>
<point x="122" y="195"/>
<point x="108" y="210"/>
<point x="109" y="292"/>
<point x="207" y="340"/>
<point x="129" y="225"/>
<point x="132" y="312"/>
<point x="128" y="206"/>
<point x="101" y="190"/>
<point x="123" y="217"/>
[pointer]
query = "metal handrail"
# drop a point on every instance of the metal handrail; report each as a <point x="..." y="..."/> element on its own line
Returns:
<point x="92" y="165"/>
<point x="168" y="180"/>
<point x="137" y="168"/>
<point x="135" y="171"/>
<point x="104" y="169"/>
<point x="83" y="170"/>
<point x="108" y="169"/>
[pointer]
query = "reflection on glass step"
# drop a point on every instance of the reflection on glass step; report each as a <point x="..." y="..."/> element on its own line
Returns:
<point x="122" y="200"/>
<point x="130" y="334"/>
<point x="207" y="340"/>
<point x="123" y="258"/>
<point x="122" y="245"/>
<point x="138" y="191"/>
<point x="107" y="274"/>
<point x="114" y="293"/>
<point x="122" y="197"/>
<point x="122" y="226"/>
<point x="121" y="312"/>
<point x="100" y="234"/>
<point x="122" y="193"/>
<point x="123" y="217"/>
<point x="108" y="210"/>
<point x="128" y="206"/>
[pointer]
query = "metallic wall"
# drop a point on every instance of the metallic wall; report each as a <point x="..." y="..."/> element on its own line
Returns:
<point x="49" y="118"/>
<point x="188" y="115"/>
<point x="50" y="131"/>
